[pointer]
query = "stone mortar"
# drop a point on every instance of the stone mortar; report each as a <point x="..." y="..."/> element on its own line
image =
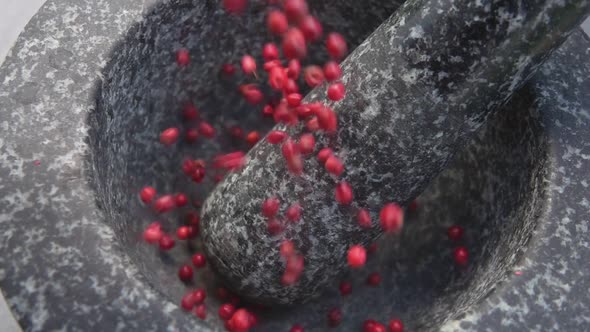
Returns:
<point x="70" y="226"/>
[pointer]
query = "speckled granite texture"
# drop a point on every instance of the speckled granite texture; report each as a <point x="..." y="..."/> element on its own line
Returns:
<point x="68" y="264"/>
<point x="417" y="88"/>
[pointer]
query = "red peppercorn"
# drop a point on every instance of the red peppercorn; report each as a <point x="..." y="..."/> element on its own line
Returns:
<point x="293" y="213"/>
<point x="188" y="167"/>
<point x="274" y="227"/>
<point x="327" y="119"/>
<point x="293" y="270"/>
<point x="199" y="260"/>
<point x="391" y="218"/>
<point x="228" y="69"/>
<point x="188" y="301"/>
<point x="345" y="288"/>
<point x="295" y="264"/>
<point x="166" y="242"/>
<point x="185" y="273"/>
<point x="334" y="165"/>
<point x="169" y="136"/>
<point x="343" y="193"/>
<point x="374" y="279"/>
<point x="270" y="207"/>
<point x="294" y="69"/>
<point x="198" y="174"/>
<point x="461" y="256"/>
<point x="153" y="233"/>
<point x="181" y="200"/>
<point x="206" y="129"/>
<point x="252" y="138"/>
<point x="364" y="218"/>
<point x="190" y="112"/>
<point x="294" y="46"/>
<point x="268" y="110"/>
<point x="201" y="311"/>
<point x="290" y="87"/>
<point x="241" y="320"/>
<point x="297" y="328"/>
<point x="396" y="325"/>
<point x="193" y="231"/>
<point x="236" y="132"/>
<point x="334" y="317"/>
<point x="165" y="203"/>
<point x="251" y="94"/>
<point x="295" y="165"/>
<point x="311" y="28"/>
<point x="293" y="156"/>
<point x="235" y="6"/>
<point x="289" y="278"/>
<point x="183" y="57"/>
<point x="324" y="154"/>
<point x="455" y="233"/>
<point x="295" y="9"/>
<point x="182" y="233"/>
<point x="199" y="163"/>
<point x="268" y="66"/>
<point x="357" y="256"/>
<point x="226" y="311"/>
<point x="368" y="325"/>
<point x="222" y="293"/>
<point x="373" y="326"/>
<point x="313" y="76"/>
<point x="276" y="22"/>
<point x="332" y="71"/>
<point x="287" y="248"/>
<point x="282" y="114"/>
<point x="304" y="111"/>
<point x="316" y="107"/>
<point x="248" y="65"/>
<point x="192" y="219"/>
<point x="277" y="78"/>
<point x="147" y="194"/>
<point x="379" y="328"/>
<point x="192" y="135"/>
<point x="306" y="144"/>
<point x="294" y="99"/>
<point x="313" y="125"/>
<point x="276" y="136"/>
<point x="336" y="91"/>
<point x="270" y="52"/>
<point x="229" y="161"/>
<point x="199" y="296"/>
<point x="336" y="45"/>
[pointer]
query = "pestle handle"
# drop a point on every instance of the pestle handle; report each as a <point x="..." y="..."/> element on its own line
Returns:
<point x="417" y="89"/>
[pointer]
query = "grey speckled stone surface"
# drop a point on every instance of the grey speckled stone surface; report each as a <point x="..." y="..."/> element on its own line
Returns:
<point x="418" y="87"/>
<point x="68" y="265"/>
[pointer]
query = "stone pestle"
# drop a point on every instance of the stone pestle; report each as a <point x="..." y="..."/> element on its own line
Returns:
<point x="417" y="89"/>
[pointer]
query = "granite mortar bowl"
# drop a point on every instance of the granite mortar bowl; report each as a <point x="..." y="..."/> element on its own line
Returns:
<point x="493" y="189"/>
<point x="84" y="98"/>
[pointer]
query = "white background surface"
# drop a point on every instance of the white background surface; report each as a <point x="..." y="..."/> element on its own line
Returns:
<point x="14" y="15"/>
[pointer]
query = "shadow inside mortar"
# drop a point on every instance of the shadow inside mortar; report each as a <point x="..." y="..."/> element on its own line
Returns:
<point x="493" y="189"/>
